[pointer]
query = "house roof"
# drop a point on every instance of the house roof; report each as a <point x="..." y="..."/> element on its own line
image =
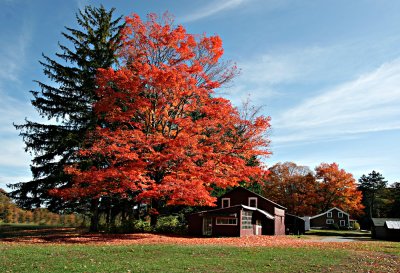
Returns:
<point x="222" y="210"/>
<point x="391" y="223"/>
<point x="242" y="188"/>
<point x="335" y="208"/>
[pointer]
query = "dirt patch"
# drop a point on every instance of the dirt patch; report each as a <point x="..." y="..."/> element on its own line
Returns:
<point x="370" y="262"/>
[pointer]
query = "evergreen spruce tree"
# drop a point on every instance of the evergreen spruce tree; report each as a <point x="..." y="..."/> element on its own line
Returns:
<point x="68" y="102"/>
<point x="372" y="187"/>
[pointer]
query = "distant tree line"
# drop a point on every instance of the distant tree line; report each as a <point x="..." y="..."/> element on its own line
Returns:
<point x="10" y="213"/>
<point x="305" y="192"/>
<point x="380" y="199"/>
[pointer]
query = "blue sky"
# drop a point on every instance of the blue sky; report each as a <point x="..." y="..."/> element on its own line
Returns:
<point x="327" y="72"/>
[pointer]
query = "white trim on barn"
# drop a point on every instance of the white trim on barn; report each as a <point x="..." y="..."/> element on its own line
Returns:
<point x="269" y="216"/>
<point x="225" y="199"/>
<point x="226" y="221"/>
<point x="253" y="199"/>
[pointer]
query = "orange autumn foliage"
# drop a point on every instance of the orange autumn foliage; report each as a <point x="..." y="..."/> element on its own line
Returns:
<point x="304" y="193"/>
<point x="165" y="134"/>
<point x="292" y="186"/>
<point x="338" y="188"/>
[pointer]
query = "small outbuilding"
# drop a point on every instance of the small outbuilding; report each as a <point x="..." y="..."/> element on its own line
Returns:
<point x="294" y="224"/>
<point x="239" y="212"/>
<point x="386" y="228"/>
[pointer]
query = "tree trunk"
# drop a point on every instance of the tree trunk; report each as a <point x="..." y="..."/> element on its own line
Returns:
<point x="94" y="220"/>
<point x="154" y="214"/>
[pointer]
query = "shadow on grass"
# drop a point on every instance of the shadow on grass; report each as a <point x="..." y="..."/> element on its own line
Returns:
<point x="66" y="235"/>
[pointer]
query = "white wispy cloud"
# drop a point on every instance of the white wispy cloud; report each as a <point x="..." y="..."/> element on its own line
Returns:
<point x="11" y="179"/>
<point x="212" y="9"/>
<point x="13" y="52"/>
<point x="285" y="66"/>
<point x="369" y="103"/>
<point x="12" y="148"/>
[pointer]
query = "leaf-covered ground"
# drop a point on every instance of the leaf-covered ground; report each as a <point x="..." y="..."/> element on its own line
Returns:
<point x="362" y="255"/>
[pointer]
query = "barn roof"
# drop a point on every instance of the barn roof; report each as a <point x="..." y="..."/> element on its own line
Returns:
<point x="242" y="188"/>
<point x="391" y="223"/>
<point x="294" y="216"/>
<point x="223" y="210"/>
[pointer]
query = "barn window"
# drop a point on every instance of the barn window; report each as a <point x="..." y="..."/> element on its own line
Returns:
<point x="253" y="202"/>
<point x="246" y="220"/>
<point x="329" y="221"/>
<point x="340" y="214"/>
<point x="329" y="214"/>
<point x="342" y="223"/>
<point x="226" y="221"/>
<point x="226" y="202"/>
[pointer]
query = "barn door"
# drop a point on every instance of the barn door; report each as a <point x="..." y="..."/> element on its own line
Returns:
<point x="258" y="227"/>
<point x="207" y="226"/>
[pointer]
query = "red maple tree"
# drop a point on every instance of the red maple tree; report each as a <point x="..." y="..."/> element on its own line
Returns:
<point x="337" y="188"/>
<point x="165" y="134"/>
<point x="292" y="186"/>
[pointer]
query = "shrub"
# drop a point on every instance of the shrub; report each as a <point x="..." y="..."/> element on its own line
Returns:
<point x="334" y="226"/>
<point x="141" y="226"/>
<point x="130" y="226"/>
<point x="170" y="224"/>
<point x="356" y="226"/>
<point x="167" y="224"/>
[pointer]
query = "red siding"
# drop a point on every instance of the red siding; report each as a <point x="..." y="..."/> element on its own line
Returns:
<point x="195" y="225"/>
<point x="238" y="197"/>
<point x="225" y="230"/>
<point x="279" y="222"/>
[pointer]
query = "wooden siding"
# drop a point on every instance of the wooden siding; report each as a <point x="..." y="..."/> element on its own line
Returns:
<point x="238" y="198"/>
<point x="294" y="224"/>
<point x="320" y="221"/>
<point x="279" y="215"/>
<point x="195" y="225"/>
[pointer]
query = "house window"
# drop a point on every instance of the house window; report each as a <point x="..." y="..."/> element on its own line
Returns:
<point x="246" y="220"/>
<point x="226" y="221"/>
<point x="329" y="221"/>
<point x="226" y="202"/>
<point x="342" y="223"/>
<point x="253" y="202"/>
<point x="340" y="214"/>
<point x="329" y="214"/>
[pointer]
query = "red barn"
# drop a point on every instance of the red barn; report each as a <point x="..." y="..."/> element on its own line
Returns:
<point x="239" y="212"/>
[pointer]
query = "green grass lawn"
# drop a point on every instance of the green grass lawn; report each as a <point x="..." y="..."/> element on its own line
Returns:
<point x="164" y="258"/>
<point x="175" y="258"/>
